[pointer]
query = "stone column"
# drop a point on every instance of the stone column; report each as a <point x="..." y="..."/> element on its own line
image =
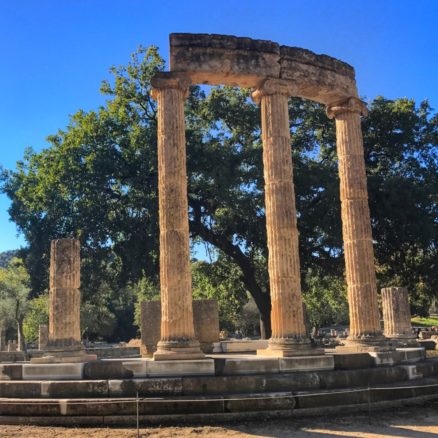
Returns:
<point x="64" y="336"/>
<point x="64" y="295"/>
<point x="43" y="336"/>
<point x="397" y="316"/>
<point x="289" y="336"/>
<point x="3" y="345"/>
<point x="178" y="339"/>
<point x="365" y="331"/>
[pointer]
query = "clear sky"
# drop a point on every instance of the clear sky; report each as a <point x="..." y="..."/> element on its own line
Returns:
<point x="54" y="53"/>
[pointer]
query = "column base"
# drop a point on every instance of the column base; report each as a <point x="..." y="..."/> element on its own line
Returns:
<point x="290" y="347"/>
<point x="178" y="350"/>
<point x="365" y="344"/>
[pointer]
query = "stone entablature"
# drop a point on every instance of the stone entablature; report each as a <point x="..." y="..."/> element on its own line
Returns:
<point x="244" y="62"/>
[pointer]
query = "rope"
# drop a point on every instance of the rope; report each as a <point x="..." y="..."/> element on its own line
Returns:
<point x="203" y="400"/>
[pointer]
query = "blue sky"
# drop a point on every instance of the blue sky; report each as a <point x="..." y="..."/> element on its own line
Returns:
<point x="55" y="53"/>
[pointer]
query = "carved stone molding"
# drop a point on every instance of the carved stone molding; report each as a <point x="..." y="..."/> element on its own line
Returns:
<point x="166" y="80"/>
<point x="273" y="86"/>
<point x="352" y="104"/>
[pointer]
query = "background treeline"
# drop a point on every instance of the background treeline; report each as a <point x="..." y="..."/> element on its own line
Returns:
<point x="97" y="181"/>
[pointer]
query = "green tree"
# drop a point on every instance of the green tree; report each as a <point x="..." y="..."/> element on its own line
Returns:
<point x="14" y="295"/>
<point x="37" y="313"/>
<point x="221" y="280"/>
<point x="97" y="180"/>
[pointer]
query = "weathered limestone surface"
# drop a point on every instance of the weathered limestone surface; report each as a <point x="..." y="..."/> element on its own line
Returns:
<point x="150" y="327"/>
<point x="64" y="296"/>
<point x="397" y="315"/>
<point x="244" y="62"/>
<point x="178" y="339"/>
<point x="64" y="337"/>
<point x="356" y="226"/>
<point x="287" y="317"/>
<point x="206" y="324"/>
<point x="3" y="344"/>
<point x="206" y="321"/>
<point x="43" y="336"/>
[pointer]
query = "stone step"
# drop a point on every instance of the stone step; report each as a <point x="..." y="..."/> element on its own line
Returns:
<point x="228" y="407"/>
<point x="210" y="385"/>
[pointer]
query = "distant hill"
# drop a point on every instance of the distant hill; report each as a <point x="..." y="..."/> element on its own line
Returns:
<point x="6" y="256"/>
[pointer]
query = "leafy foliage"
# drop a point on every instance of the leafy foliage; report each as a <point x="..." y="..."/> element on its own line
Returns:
<point x="37" y="313"/>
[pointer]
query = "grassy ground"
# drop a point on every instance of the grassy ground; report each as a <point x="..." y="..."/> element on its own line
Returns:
<point x="425" y="322"/>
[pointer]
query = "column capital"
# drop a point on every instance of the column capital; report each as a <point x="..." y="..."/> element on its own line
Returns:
<point x="165" y="80"/>
<point x="272" y="86"/>
<point x="351" y="104"/>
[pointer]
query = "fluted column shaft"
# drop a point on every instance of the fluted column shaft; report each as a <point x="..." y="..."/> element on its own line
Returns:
<point x="356" y="225"/>
<point x="64" y="295"/>
<point x="177" y="329"/>
<point x="397" y="314"/>
<point x="287" y="318"/>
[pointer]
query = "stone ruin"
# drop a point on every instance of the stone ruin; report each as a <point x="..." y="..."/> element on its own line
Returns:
<point x="63" y="343"/>
<point x="274" y="73"/>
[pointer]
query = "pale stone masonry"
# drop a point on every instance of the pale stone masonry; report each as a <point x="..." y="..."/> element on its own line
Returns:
<point x="64" y="295"/>
<point x="64" y="335"/>
<point x="206" y="325"/>
<point x="178" y="339"/>
<point x="397" y="316"/>
<point x="356" y="225"/>
<point x="43" y="336"/>
<point x="287" y="318"/>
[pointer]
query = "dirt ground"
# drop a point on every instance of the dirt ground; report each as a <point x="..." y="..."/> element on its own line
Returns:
<point x="400" y="423"/>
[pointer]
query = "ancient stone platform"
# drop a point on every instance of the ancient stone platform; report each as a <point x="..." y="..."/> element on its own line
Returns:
<point x="222" y="396"/>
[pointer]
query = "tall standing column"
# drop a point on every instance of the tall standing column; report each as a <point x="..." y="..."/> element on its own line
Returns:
<point x="177" y="330"/>
<point x="397" y="316"/>
<point x="287" y="317"/>
<point x="365" y="331"/>
<point x="64" y="295"/>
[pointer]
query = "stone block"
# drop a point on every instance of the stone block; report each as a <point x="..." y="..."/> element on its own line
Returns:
<point x="249" y="365"/>
<point x="386" y="357"/>
<point x="428" y="344"/>
<point x="200" y="367"/>
<point x="12" y="356"/>
<point x="224" y="59"/>
<point x="412" y="354"/>
<point x="107" y="369"/>
<point x="82" y="388"/>
<point x="260" y="402"/>
<point x="145" y="387"/>
<point x="43" y="336"/>
<point x="413" y="372"/>
<point x="349" y="361"/>
<point x="150" y="327"/>
<point x="206" y="322"/>
<point x="61" y="371"/>
<point x="138" y="367"/>
<point x="306" y="363"/>
<point x="205" y="318"/>
<point x="14" y="389"/>
<point x="11" y="372"/>
<point x="243" y="345"/>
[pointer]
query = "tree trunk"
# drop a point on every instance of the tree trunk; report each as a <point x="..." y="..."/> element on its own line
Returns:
<point x="262" y="299"/>
<point x="265" y="324"/>
<point x="20" y="336"/>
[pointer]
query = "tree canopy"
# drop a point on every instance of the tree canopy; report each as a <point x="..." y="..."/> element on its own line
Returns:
<point x="97" y="181"/>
